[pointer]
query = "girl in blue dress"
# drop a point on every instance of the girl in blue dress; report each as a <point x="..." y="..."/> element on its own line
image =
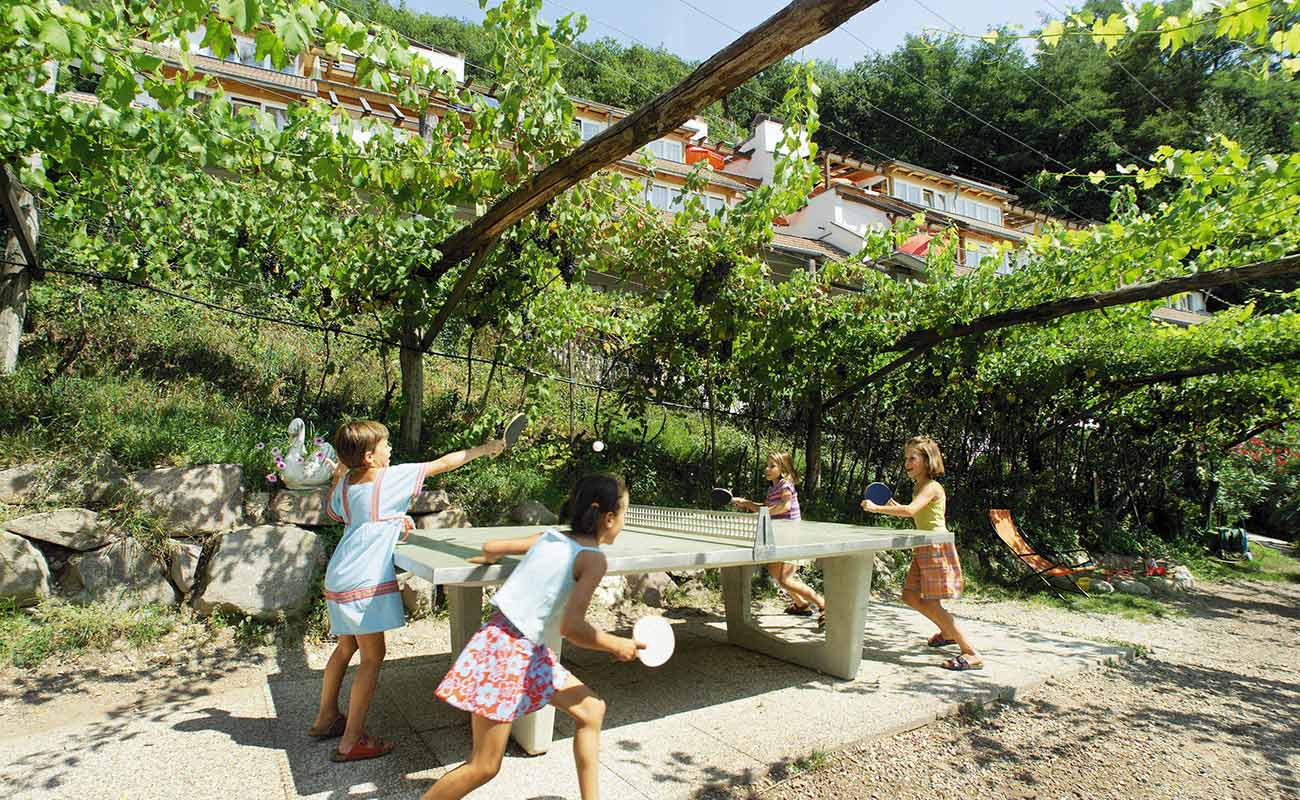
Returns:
<point x="370" y="498"/>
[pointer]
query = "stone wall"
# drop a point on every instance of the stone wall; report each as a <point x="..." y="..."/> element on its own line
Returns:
<point x="257" y="554"/>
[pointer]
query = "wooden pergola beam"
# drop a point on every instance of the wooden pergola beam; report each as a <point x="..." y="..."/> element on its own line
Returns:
<point x="794" y="26"/>
<point x="10" y="190"/>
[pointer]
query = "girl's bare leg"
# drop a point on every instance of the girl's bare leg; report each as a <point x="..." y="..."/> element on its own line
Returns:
<point x="333" y="681"/>
<point x="934" y="610"/>
<point x="490" y="739"/>
<point x="786" y="577"/>
<point x="588" y="711"/>
<point x="363" y="687"/>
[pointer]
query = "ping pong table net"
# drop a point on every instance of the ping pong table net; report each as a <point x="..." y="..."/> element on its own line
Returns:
<point x="750" y="529"/>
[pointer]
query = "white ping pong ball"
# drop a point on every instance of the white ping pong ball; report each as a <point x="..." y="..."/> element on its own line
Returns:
<point x="598" y="445"/>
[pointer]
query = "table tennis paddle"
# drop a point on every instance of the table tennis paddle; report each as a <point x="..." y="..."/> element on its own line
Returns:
<point x="877" y="493"/>
<point x="513" y="428"/>
<point x="657" y="636"/>
<point x="720" y="496"/>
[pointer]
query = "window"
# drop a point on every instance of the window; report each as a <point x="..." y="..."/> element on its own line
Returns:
<point x="671" y="198"/>
<point x="589" y="129"/>
<point x="659" y="197"/>
<point x="1192" y="302"/>
<point x="279" y="114"/>
<point x="668" y="150"/>
<point x="983" y="212"/>
<point x="974" y="253"/>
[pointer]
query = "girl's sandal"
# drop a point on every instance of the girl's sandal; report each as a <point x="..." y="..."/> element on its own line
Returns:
<point x="366" y="747"/>
<point x="937" y="640"/>
<point x="796" y="610"/>
<point x="332" y="731"/>
<point x="821" y="620"/>
<point x="960" y="664"/>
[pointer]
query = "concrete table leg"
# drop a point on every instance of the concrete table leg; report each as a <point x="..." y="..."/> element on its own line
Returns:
<point x="465" y="608"/>
<point x="848" y="584"/>
<point x="534" y="732"/>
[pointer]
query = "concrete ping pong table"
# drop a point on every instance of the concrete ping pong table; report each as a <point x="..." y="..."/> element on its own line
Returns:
<point x="658" y="539"/>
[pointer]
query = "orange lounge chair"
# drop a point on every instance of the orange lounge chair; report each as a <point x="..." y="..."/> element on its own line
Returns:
<point x="1057" y="570"/>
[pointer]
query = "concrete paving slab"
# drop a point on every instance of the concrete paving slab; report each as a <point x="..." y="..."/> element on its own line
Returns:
<point x="714" y="714"/>
<point x="173" y="750"/>
<point x="551" y="776"/>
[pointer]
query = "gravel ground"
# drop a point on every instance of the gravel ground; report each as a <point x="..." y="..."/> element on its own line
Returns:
<point x="1211" y="709"/>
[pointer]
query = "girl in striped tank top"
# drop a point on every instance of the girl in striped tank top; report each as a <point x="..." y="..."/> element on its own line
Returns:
<point x="783" y="503"/>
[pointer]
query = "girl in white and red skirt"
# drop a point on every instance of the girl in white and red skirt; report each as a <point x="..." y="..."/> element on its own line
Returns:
<point x="506" y="671"/>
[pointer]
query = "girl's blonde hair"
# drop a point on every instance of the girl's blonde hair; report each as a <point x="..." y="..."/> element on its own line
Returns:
<point x="354" y="439"/>
<point x="929" y="450"/>
<point x="786" y="465"/>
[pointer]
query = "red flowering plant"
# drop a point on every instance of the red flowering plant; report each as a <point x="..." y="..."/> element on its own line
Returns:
<point x="1259" y="482"/>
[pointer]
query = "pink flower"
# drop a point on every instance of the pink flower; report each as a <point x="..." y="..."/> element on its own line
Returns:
<point x="270" y="477"/>
<point x="261" y="445"/>
<point x="318" y="441"/>
<point x="275" y="451"/>
<point x="279" y="463"/>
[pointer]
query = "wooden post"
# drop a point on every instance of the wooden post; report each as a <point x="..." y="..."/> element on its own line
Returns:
<point x="21" y="265"/>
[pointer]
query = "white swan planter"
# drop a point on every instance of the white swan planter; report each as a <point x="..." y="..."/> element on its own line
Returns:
<point x="302" y="470"/>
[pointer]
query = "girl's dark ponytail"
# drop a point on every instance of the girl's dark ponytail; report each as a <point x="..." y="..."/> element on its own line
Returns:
<point x="595" y="494"/>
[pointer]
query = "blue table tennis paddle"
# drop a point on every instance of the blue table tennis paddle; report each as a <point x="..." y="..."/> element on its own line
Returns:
<point x="877" y="493"/>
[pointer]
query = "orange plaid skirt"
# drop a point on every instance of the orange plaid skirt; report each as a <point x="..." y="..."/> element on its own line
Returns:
<point x="935" y="572"/>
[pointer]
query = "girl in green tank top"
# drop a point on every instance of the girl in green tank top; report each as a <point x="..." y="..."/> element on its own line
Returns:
<point x="935" y="574"/>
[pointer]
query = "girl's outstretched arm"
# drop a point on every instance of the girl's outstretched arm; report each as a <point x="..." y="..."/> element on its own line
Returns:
<point x="896" y="509"/>
<point x="494" y="549"/>
<point x="588" y="568"/>
<point x="492" y="447"/>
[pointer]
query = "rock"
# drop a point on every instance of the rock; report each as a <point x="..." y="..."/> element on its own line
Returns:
<point x="1133" y="587"/>
<point x="1160" y="586"/>
<point x="74" y="528"/>
<point x="23" y="484"/>
<point x="124" y="575"/>
<point x="1183" y="580"/>
<point x="1119" y="561"/>
<point x="417" y="595"/>
<point x="609" y="591"/>
<point x="650" y="588"/>
<point x="257" y="508"/>
<point x="101" y="482"/>
<point x="881" y="571"/>
<point x="204" y="499"/>
<point x="447" y="518"/>
<point x="184" y="565"/>
<point x="1101" y="587"/>
<point x="262" y="571"/>
<point x="430" y="501"/>
<point x="299" y="507"/>
<point x="531" y="512"/>
<point x="24" y="575"/>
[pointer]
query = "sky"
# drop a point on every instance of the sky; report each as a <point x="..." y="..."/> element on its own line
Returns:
<point x="690" y="33"/>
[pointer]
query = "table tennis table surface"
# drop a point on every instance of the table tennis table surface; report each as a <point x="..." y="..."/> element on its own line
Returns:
<point x="439" y="556"/>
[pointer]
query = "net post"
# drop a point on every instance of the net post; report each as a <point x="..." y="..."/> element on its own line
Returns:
<point x="764" y="536"/>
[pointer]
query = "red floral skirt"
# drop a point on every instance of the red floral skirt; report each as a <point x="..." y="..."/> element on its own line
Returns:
<point x="501" y="675"/>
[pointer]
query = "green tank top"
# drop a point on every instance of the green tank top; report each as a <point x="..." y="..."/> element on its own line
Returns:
<point x="931" y="516"/>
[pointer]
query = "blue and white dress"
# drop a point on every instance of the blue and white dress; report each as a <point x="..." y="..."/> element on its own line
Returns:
<point x="361" y="590"/>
